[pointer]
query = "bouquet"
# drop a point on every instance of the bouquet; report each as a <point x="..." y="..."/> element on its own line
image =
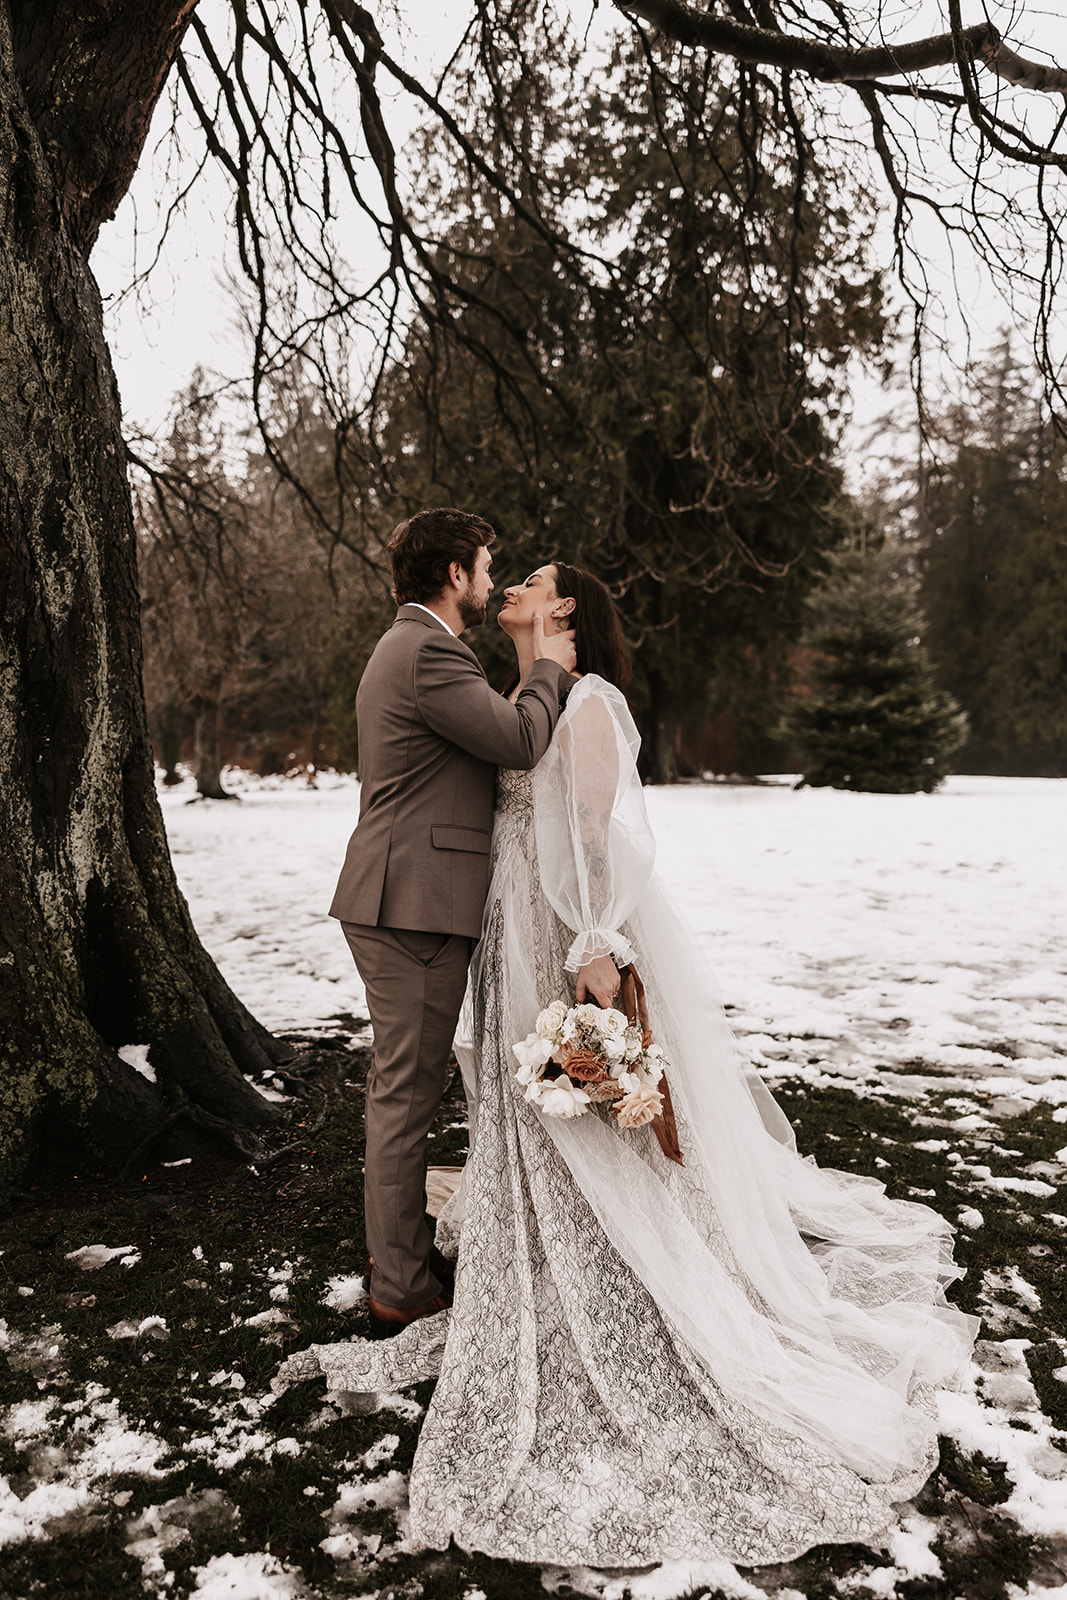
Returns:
<point x="585" y="1055"/>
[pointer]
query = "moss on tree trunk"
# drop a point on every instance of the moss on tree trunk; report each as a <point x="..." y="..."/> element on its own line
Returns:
<point x="97" y="949"/>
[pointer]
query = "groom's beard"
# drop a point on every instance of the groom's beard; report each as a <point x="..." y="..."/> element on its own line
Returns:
<point x="472" y="615"/>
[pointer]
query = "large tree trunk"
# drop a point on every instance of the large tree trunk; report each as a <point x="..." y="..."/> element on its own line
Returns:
<point x="207" y="757"/>
<point x="97" y="949"/>
<point x="665" y="730"/>
<point x="169" y="733"/>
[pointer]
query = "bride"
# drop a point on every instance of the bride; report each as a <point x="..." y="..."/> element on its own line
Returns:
<point x="732" y="1358"/>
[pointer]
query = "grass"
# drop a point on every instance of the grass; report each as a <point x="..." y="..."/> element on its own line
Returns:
<point x="213" y="1245"/>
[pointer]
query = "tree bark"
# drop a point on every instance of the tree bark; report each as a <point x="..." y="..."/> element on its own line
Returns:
<point x="97" y="949"/>
<point x="208" y="756"/>
<point x="169" y="731"/>
<point x="664" y="723"/>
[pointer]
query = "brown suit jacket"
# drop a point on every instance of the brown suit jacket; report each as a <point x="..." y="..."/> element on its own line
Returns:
<point x="431" y="734"/>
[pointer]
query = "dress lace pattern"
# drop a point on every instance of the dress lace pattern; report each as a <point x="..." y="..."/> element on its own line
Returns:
<point x="570" y="1423"/>
<point x="574" y="1420"/>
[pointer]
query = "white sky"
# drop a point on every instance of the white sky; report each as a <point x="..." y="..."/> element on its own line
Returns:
<point x="184" y="317"/>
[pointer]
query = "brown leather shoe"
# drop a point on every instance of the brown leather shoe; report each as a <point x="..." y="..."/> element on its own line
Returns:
<point x="387" y="1321"/>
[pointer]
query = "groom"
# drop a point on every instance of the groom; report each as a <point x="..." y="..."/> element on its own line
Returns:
<point x="412" y="890"/>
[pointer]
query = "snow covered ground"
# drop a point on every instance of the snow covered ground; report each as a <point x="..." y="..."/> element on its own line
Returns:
<point x="909" y="952"/>
<point x="847" y="931"/>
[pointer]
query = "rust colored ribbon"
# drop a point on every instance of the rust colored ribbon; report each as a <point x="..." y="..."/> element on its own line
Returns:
<point x="631" y="1001"/>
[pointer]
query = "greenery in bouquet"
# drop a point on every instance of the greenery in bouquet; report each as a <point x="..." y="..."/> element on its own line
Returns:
<point x="586" y="1055"/>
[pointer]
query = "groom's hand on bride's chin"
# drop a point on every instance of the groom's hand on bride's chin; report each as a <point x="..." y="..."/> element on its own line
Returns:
<point x="557" y="647"/>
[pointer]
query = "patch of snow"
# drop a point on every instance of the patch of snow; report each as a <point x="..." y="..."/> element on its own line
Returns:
<point x="39" y="1353"/>
<point x="1034" y="1186"/>
<point x="248" y="1577"/>
<point x="970" y="1218"/>
<point x="91" y="1257"/>
<point x="381" y="1451"/>
<point x="160" y="1528"/>
<point x="1037" y="1501"/>
<point x="671" y="1581"/>
<point x="381" y="1494"/>
<point x="349" y="1546"/>
<point x="345" y="1293"/>
<point x="28" y="1420"/>
<point x="347" y="1404"/>
<point x="42" y="1511"/>
<point x="71" y="1482"/>
<point x="136" y="1056"/>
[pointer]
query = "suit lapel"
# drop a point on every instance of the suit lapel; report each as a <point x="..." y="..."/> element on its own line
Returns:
<point x="414" y="613"/>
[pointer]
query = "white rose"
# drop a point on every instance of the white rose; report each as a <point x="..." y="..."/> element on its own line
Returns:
<point x="613" y="1024"/>
<point x="533" y="1052"/>
<point x="587" y="1016"/>
<point x="551" y="1019"/>
<point x="562" y="1098"/>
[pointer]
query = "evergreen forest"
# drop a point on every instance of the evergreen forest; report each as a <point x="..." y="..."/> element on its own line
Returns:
<point x="695" y="458"/>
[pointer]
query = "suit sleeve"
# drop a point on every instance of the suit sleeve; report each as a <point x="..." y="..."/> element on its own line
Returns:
<point x="456" y="701"/>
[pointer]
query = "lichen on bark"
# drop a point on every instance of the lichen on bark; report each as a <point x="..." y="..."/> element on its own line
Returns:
<point x="97" y="948"/>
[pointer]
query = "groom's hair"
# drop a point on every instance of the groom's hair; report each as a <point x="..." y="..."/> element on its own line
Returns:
<point x="423" y="547"/>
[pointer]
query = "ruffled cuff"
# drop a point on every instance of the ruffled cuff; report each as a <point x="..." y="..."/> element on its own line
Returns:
<point x="596" y="942"/>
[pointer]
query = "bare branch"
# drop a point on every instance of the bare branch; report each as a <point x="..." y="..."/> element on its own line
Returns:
<point x="831" y="63"/>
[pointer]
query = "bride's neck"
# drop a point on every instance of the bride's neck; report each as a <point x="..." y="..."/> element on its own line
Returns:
<point x="525" y="657"/>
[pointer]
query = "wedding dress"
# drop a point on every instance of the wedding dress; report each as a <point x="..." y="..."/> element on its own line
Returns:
<point x="732" y="1359"/>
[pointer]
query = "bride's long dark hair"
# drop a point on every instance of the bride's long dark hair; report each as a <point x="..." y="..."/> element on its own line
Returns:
<point x="597" y="634"/>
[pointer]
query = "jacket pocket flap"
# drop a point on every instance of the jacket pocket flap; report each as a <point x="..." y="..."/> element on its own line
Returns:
<point x="446" y="837"/>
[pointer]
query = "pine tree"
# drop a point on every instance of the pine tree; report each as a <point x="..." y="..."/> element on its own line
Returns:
<point x="991" y="518"/>
<point x="689" y="459"/>
<point x="875" y="719"/>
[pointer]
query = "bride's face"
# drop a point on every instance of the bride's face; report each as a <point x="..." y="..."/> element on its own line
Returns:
<point x="538" y="593"/>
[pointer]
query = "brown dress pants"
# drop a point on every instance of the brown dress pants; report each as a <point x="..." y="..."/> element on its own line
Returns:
<point x="415" y="984"/>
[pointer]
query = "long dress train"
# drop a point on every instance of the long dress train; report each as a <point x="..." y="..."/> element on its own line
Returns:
<point x="734" y="1359"/>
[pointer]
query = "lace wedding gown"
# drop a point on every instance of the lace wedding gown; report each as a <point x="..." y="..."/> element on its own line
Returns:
<point x="735" y="1359"/>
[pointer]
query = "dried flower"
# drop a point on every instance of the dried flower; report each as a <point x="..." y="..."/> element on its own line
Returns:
<point x="581" y="1064"/>
<point x="639" y="1107"/>
<point x="589" y="1055"/>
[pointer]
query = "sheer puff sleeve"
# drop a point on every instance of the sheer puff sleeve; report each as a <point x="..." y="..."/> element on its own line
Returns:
<point x="594" y="845"/>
